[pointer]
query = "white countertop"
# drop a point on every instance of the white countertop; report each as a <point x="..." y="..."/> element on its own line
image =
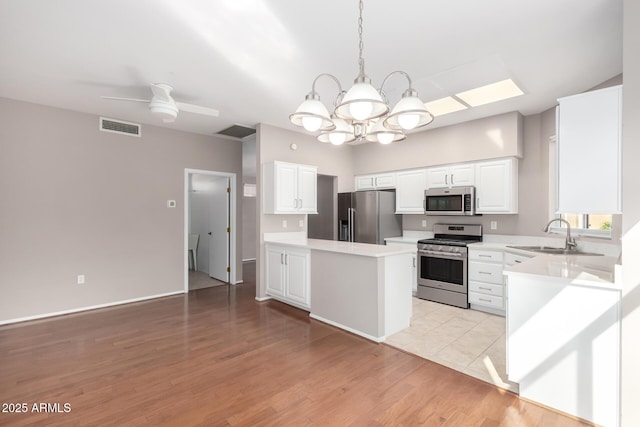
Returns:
<point x="596" y="271"/>
<point x="350" y="248"/>
<point x="410" y="237"/>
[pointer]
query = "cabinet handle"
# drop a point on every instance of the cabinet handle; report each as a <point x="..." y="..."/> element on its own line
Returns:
<point x="375" y="181"/>
<point x="414" y="261"/>
<point x="484" y="289"/>
<point x="446" y="179"/>
<point x="451" y="179"/>
<point x="484" y="272"/>
<point x="281" y="258"/>
<point x="286" y="259"/>
<point x="517" y="261"/>
<point x="484" y="256"/>
<point x="485" y="300"/>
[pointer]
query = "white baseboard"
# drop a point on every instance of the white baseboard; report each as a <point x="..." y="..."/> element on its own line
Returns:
<point x="263" y="299"/>
<point x="348" y="329"/>
<point x="93" y="307"/>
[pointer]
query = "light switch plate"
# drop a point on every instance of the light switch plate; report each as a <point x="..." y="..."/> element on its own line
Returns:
<point x="301" y="223"/>
<point x="284" y="223"/>
<point x="494" y="225"/>
<point x="424" y="223"/>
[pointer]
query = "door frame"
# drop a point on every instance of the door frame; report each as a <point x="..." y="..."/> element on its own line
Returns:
<point x="232" y="222"/>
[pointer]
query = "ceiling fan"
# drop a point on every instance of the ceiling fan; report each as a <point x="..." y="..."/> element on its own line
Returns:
<point x="164" y="106"/>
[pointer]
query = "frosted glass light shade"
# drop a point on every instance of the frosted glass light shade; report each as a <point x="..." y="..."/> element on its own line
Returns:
<point x="312" y="115"/>
<point x="362" y="102"/>
<point x="379" y="133"/>
<point x="338" y="136"/>
<point x="409" y="113"/>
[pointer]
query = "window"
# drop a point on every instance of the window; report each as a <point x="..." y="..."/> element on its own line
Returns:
<point x="592" y="225"/>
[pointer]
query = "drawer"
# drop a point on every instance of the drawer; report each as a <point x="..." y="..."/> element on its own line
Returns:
<point x="484" y="272"/>
<point x="486" y="288"/>
<point x="512" y="259"/>
<point x="486" y="300"/>
<point x="487" y="256"/>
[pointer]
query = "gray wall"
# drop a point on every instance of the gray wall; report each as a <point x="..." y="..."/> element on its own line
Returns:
<point x="75" y="200"/>
<point x="487" y="138"/>
<point x="631" y="215"/>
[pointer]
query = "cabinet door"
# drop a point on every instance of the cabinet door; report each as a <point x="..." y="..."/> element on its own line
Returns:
<point x="275" y="270"/>
<point x="385" y="180"/>
<point x="297" y="265"/>
<point x="497" y="186"/>
<point x="410" y="186"/>
<point x="365" y="182"/>
<point x="286" y="190"/>
<point x="307" y="189"/>
<point x="438" y="177"/>
<point x="414" y="273"/>
<point x="461" y="175"/>
<point x="589" y="152"/>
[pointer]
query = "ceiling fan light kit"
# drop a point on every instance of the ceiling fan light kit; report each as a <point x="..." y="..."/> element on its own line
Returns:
<point x="362" y="113"/>
<point x="165" y="107"/>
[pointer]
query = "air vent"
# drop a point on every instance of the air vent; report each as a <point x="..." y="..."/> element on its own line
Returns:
<point x="237" y="131"/>
<point x="118" y="126"/>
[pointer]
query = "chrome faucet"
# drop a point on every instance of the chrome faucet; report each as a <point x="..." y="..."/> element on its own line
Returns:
<point x="570" y="243"/>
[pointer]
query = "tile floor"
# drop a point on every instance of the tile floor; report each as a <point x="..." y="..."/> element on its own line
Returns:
<point x="468" y="341"/>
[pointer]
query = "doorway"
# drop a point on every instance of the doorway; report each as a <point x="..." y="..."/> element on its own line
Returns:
<point x="210" y="204"/>
<point x="324" y="224"/>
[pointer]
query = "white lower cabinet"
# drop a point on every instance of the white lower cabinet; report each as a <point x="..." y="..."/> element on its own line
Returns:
<point x="486" y="285"/>
<point x="288" y="275"/>
<point x="563" y="343"/>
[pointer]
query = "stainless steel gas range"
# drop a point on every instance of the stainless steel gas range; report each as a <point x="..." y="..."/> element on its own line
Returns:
<point x="442" y="263"/>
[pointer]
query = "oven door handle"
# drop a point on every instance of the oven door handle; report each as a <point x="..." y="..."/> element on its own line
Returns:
<point x="441" y="254"/>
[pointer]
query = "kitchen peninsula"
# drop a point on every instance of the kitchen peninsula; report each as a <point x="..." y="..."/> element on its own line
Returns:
<point x="359" y="287"/>
<point x="563" y="334"/>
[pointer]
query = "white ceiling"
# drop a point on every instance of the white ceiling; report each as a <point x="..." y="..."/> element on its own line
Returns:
<point x="255" y="60"/>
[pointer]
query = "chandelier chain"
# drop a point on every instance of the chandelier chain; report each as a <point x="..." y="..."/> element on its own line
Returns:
<point x="361" y="45"/>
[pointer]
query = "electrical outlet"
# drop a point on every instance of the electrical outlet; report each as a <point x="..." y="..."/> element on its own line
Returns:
<point x="494" y="225"/>
<point x="80" y="279"/>
<point x="301" y="223"/>
<point x="171" y="203"/>
<point x="284" y="223"/>
<point x="424" y="223"/>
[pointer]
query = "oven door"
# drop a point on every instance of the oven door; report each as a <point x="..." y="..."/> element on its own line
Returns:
<point x="446" y="271"/>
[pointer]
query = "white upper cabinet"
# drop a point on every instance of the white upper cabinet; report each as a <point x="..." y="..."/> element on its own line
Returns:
<point x="289" y="188"/>
<point x="497" y="186"/>
<point x="451" y="176"/>
<point x="375" y="182"/>
<point x="589" y="152"/>
<point x="410" y="186"/>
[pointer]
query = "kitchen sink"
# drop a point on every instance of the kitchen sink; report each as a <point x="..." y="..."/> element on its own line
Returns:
<point x="553" y="251"/>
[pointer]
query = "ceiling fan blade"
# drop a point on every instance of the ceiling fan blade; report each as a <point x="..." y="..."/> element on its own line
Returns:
<point x="197" y="109"/>
<point x="161" y="91"/>
<point x="126" y="99"/>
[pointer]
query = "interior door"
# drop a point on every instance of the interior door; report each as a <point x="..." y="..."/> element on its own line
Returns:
<point x="219" y="230"/>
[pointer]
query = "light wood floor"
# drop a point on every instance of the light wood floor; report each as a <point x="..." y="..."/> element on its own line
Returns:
<point x="217" y="357"/>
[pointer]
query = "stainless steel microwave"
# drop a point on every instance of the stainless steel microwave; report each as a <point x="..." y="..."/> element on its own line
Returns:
<point x="450" y="201"/>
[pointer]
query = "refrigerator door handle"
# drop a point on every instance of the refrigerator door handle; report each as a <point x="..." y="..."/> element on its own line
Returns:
<point x="351" y="231"/>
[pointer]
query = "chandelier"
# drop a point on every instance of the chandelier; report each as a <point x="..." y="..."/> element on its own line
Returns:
<point x="362" y="113"/>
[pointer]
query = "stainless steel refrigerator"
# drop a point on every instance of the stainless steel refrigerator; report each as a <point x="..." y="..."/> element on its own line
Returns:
<point x="368" y="216"/>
